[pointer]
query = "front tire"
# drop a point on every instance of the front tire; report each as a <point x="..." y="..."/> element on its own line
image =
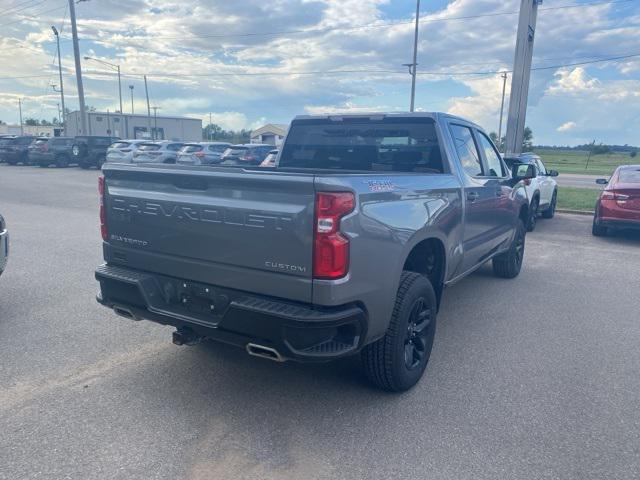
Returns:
<point x="533" y="215"/>
<point x="509" y="263"/>
<point x="397" y="361"/>
<point x="551" y="211"/>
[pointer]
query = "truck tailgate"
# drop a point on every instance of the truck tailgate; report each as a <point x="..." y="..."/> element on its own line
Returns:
<point x="224" y="226"/>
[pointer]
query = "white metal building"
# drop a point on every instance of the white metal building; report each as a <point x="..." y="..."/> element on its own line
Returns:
<point x="136" y="126"/>
<point x="271" y="134"/>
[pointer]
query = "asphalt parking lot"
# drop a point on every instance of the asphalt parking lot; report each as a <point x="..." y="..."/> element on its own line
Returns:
<point x="536" y="377"/>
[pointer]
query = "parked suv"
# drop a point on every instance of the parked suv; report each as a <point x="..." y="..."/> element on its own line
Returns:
<point x="122" y="150"/>
<point x="345" y="246"/>
<point x="51" y="151"/>
<point x="16" y="150"/>
<point x="91" y="151"/>
<point x="4" y="244"/>
<point x="246" y="154"/>
<point x="203" y="153"/>
<point x="164" y="151"/>
<point x="542" y="189"/>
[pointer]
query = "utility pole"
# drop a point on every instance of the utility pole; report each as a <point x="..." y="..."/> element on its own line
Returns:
<point x="413" y="66"/>
<point x="20" y="109"/>
<point x="210" y="129"/>
<point x="521" y="75"/>
<point x="146" y="91"/>
<point x="76" y="54"/>
<point x="131" y="88"/>
<point x="504" y="88"/>
<point x="155" y="122"/>
<point x="64" y="123"/>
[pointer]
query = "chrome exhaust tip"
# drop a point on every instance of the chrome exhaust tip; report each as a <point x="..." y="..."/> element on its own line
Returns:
<point x="264" y="352"/>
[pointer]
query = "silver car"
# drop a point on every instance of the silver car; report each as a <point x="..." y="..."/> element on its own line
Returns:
<point x="122" y="151"/>
<point x="164" y="151"/>
<point x="4" y="244"/>
<point x="202" y="153"/>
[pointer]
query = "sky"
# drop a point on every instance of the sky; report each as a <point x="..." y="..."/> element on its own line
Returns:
<point x="251" y="62"/>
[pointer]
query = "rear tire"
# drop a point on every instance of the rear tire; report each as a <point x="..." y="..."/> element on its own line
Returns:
<point x="533" y="215"/>
<point x="551" y="211"/>
<point x="509" y="263"/>
<point x="598" y="230"/>
<point x="84" y="165"/>
<point x="62" y="161"/>
<point x="397" y="361"/>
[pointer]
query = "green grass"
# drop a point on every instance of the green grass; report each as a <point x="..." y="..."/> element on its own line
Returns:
<point x="583" y="199"/>
<point x="575" y="161"/>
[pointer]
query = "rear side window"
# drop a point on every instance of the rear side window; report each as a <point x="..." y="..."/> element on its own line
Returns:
<point x="102" y="141"/>
<point x="174" y="147"/>
<point x="467" y="150"/>
<point x="148" y="147"/>
<point x="217" y="148"/>
<point x="120" y="145"/>
<point x="191" y="148"/>
<point x="629" y="176"/>
<point x="24" y="141"/>
<point x="388" y="144"/>
<point x="493" y="159"/>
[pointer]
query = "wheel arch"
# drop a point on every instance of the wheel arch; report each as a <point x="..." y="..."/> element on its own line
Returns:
<point x="428" y="257"/>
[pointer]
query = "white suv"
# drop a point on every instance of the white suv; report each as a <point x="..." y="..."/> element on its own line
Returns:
<point x="542" y="190"/>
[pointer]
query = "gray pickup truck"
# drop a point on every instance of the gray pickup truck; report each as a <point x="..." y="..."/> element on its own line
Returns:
<point x="344" y="246"/>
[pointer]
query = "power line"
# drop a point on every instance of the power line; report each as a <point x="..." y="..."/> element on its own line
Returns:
<point x="34" y="16"/>
<point x="9" y="12"/>
<point x="339" y="72"/>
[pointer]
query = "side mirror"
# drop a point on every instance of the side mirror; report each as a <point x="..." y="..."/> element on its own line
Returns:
<point x="602" y="181"/>
<point x="523" y="171"/>
<point x="552" y="173"/>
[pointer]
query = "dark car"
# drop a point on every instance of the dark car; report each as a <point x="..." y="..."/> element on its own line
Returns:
<point x="52" y="151"/>
<point x="203" y="153"/>
<point x="246" y="154"/>
<point x="15" y="150"/>
<point x="619" y="203"/>
<point x="91" y="151"/>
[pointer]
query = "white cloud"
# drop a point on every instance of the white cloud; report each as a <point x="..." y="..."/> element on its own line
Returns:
<point x="565" y="127"/>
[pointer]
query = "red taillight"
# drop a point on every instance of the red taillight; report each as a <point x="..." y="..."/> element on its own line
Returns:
<point x="199" y="154"/>
<point x="613" y="195"/>
<point x="331" y="248"/>
<point x="103" y="213"/>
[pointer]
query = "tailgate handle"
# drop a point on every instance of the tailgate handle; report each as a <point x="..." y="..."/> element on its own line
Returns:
<point x="190" y="183"/>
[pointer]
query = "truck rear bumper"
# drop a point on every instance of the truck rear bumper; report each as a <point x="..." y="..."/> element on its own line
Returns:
<point x="295" y="331"/>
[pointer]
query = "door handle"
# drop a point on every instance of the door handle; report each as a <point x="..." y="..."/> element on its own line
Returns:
<point x="472" y="196"/>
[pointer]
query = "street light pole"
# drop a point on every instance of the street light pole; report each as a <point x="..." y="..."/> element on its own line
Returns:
<point x="210" y="128"/>
<point x="414" y="65"/>
<point x="117" y="68"/>
<point x="146" y="91"/>
<point x="155" y="122"/>
<point x="131" y="88"/>
<point x="20" y="109"/>
<point x="64" y="123"/>
<point x="504" y="87"/>
<point x="76" y="54"/>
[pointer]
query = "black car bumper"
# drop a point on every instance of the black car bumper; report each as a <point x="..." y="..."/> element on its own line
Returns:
<point x="295" y="331"/>
<point x="618" y="223"/>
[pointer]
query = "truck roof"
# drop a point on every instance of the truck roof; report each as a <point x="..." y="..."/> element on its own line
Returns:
<point x="434" y="115"/>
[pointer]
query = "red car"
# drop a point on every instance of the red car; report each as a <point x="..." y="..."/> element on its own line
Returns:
<point x="619" y="203"/>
